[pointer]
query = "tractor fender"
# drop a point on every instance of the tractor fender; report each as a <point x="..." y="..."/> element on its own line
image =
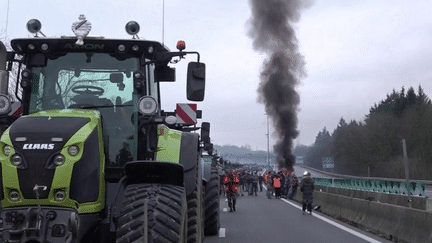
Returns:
<point x="189" y="158"/>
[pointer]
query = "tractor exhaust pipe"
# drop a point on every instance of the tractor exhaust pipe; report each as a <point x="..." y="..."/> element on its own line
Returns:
<point x="4" y="75"/>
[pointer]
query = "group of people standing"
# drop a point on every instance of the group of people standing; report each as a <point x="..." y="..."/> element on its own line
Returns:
<point x="283" y="184"/>
<point x="249" y="183"/>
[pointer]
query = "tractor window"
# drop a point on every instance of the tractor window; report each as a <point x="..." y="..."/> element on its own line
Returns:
<point x="92" y="81"/>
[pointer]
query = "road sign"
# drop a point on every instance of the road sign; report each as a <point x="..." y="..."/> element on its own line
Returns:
<point x="186" y="114"/>
<point x="327" y="162"/>
<point x="299" y="159"/>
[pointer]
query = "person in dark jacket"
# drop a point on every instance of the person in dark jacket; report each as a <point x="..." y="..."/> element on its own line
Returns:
<point x="242" y="183"/>
<point x="255" y="183"/>
<point x="260" y="181"/>
<point x="249" y="181"/>
<point x="294" y="184"/>
<point x="307" y="187"/>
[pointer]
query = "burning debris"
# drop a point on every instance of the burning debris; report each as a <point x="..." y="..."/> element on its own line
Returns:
<point x="271" y="27"/>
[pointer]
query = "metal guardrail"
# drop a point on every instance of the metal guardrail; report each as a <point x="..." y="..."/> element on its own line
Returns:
<point x="373" y="185"/>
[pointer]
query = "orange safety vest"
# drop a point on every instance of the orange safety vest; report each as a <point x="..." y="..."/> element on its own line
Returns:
<point x="225" y="179"/>
<point x="276" y="182"/>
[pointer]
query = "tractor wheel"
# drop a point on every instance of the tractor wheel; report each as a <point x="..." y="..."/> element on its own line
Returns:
<point x="211" y="224"/>
<point x="161" y="207"/>
<point x="195" y="202"/>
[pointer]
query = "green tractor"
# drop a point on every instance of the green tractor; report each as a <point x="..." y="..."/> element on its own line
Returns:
<point x="94" y="158"/>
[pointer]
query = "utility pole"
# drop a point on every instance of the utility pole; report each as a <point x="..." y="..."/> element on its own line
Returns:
<point x="268" y="141"/>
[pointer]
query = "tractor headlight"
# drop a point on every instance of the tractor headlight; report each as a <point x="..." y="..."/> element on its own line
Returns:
<point x="59" y="160"/>
<point x="5" y="105"/>
<point x="14" y="195"/>
<point x="121" y="47"/>
<point x="60" y="196"/>
<point x="6" y="150"/>
<point x="44" y="46"/>
<point x="17" y="160"/>
<point x="73" y="150"/>
<point x="147" y="105"/>
<point x="135" y="48"/>
<point x="170" y="120"/>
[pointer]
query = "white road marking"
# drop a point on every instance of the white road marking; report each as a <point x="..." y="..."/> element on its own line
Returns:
<point x="225" y="209"/>
<point x="360" y="235"/>
<point x="222" y="232"/>
<point x="226" y="200"/>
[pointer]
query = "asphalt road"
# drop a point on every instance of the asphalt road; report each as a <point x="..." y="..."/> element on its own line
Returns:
<point x="259" y="219"/>
<point x="300" y="170"/>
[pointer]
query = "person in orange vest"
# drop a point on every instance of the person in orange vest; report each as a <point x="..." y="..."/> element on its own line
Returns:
<point x="277" y="185"/>
<point x="231" y="187"/>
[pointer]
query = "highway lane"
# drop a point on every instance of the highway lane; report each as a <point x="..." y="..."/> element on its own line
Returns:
<point x="258" y="219"/>
<point x="300" y="170"/>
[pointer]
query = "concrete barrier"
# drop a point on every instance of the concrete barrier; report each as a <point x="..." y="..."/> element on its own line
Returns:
<point x="392" y="222"/>
<point x="423" y="203"/>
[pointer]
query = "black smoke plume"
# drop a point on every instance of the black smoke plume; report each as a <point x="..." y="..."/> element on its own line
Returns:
<point x="271" y="27"/>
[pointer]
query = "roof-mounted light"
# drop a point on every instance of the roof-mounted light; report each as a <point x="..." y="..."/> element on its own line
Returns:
<point x="121" y="48"/>
<point x="44" y="46"/>
<point x="34" y="26"/>
<point x="147" y="105"/>
<point x="135" y="48"/>
<point x="132" y="28"/>
<point x="181" y="45"/>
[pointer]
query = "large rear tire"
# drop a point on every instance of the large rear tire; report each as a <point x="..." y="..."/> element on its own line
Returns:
<point x="165" y="215"/>
<point x="195" y="202"/>
<point x="211" y="223"/>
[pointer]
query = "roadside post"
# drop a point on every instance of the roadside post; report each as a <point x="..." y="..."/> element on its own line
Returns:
<point x="406" y="172"/>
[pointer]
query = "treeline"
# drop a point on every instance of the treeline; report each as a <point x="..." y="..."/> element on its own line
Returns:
<point x="375" y="144"/>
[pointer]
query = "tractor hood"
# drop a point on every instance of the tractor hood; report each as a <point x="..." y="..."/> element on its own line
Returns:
<point x="38" y="139"/>
<point x="39" y="156"/>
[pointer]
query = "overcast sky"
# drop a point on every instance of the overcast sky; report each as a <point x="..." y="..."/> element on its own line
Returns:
<point x="356" y="52"/>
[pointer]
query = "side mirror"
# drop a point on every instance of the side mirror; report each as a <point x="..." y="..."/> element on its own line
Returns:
<point x="116" y="78"/>
<point x="205" y="132"/>
<point x="196" y="81"/>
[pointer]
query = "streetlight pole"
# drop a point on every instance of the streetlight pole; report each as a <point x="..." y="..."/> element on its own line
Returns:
<point x="268" y="141"/>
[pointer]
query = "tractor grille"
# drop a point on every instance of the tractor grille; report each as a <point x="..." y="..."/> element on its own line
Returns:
<point x="35" y="174"/>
